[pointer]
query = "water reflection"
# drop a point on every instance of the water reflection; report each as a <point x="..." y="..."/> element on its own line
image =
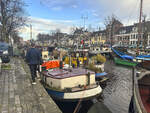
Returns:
<point x="85" y="107"/>
<point x="118" y="91"/>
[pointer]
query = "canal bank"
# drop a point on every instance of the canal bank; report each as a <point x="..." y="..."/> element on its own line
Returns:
<point x="18" y="95"/>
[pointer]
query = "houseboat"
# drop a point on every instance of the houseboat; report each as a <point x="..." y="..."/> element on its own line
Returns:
<point x="71" y="84"/>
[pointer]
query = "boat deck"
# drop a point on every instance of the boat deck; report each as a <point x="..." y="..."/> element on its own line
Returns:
<point x="62" y="73"/>
<point x="145" y="96"/>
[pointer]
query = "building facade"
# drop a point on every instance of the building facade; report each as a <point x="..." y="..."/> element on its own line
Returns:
<point x="129" y="35"/>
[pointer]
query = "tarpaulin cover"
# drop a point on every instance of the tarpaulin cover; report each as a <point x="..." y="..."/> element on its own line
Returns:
<point x="100" y="74"/>
<point x="51" y="64"/>
<point x="122" y="55"/>
<point x="143" y="56"/>
<point x="127" y="57"/>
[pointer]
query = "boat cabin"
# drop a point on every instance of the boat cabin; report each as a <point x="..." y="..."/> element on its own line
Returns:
<point x="75" y="78"/>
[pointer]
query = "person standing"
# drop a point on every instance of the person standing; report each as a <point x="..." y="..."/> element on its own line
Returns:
<point x="33" y="58"/>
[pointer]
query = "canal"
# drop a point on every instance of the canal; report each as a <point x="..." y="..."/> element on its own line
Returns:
<point x="117" y="93"/>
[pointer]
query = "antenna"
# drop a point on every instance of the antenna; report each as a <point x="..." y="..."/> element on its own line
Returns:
<point x="84" y="17"/>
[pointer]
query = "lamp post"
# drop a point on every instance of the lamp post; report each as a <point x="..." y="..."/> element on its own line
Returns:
<point x="30" y="27"/>
<point x="30" y="32"/>
<point x="0" y="23"/>
<point x="1" y="31"/>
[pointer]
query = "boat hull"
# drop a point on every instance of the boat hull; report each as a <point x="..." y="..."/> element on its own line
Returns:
<point x="102" y="79"/>
<point x="146" y="64"/>
<point x="75" y="96"/>
<point x="124" y="62"/>
<point x="140" y="102"/>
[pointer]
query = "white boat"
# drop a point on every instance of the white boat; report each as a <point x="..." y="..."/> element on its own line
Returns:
<point x="71" y="84"/>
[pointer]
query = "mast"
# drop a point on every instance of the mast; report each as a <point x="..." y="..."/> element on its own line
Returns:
<point x="140" y="26"/>
<point x="144" y="33"/>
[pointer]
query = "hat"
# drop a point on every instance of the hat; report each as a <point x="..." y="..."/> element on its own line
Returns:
<point x="32" y="44"/>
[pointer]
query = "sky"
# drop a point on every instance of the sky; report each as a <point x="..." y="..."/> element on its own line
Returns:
<point x="46" y="16"/>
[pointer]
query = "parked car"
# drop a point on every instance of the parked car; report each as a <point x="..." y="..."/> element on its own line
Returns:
<point x="4" y="52"/>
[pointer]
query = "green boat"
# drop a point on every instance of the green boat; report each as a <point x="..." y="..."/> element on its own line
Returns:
<point x="124" y="62"/>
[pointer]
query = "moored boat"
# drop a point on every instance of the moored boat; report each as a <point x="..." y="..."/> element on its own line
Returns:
<point x="146" y="64"/>
<point x="123" y="59"/>
<point x="145" y="61"/>
<point x="124" y="62"/>
<point x="140" y="102"/>
<point x="71" y="84"/>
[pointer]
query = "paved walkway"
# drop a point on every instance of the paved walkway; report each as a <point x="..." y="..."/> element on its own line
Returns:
<point x="17" y="95"/>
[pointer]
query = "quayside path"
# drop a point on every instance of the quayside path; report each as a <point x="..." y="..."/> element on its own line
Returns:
<point x="18" y="95"/>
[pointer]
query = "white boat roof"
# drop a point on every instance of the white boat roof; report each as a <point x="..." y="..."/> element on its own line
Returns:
<point x="62" y="73"/>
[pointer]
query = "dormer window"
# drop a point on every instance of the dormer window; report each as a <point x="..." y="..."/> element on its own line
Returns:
<point x="123" y="32"/>
<point x="134" y="29"/>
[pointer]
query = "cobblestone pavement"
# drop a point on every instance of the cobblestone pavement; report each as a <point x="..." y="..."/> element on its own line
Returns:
<point x="17" y="95"/>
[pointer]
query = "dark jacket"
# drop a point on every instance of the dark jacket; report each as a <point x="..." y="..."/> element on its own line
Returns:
<point x="33" y="56"/>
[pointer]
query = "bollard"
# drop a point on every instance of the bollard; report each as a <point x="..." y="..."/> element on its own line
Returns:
<point x="60" y="64"/>
<point x="0" y="65"/>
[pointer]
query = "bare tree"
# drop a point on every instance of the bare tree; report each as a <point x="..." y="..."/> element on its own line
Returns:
<point x="112" y="25"/>
<point x="11" y="17"/>
<point x="16" y="37"/>
<point x="58" y="30"/>
<point x="72" y="29"/>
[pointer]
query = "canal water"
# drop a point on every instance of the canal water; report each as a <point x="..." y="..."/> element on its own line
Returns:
<point x="118" y="92"/>
<point x="115" y="97"/>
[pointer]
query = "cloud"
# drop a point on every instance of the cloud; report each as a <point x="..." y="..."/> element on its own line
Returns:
<point x="125" y="10"/>
<point x="94" y="13"/>
<point x="57" y="8"/>
<point x="74" y="6"/>
<point x="56" y="4"/>
<point x="40" y="25"/>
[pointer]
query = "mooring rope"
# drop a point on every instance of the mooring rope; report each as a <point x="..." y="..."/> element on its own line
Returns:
<point x="77" y="107"/>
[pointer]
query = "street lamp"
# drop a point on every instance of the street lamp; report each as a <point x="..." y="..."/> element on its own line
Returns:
<point x="1" y="30"/>
<point x="30" y="32"/>
<point x="30" y="26"/>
